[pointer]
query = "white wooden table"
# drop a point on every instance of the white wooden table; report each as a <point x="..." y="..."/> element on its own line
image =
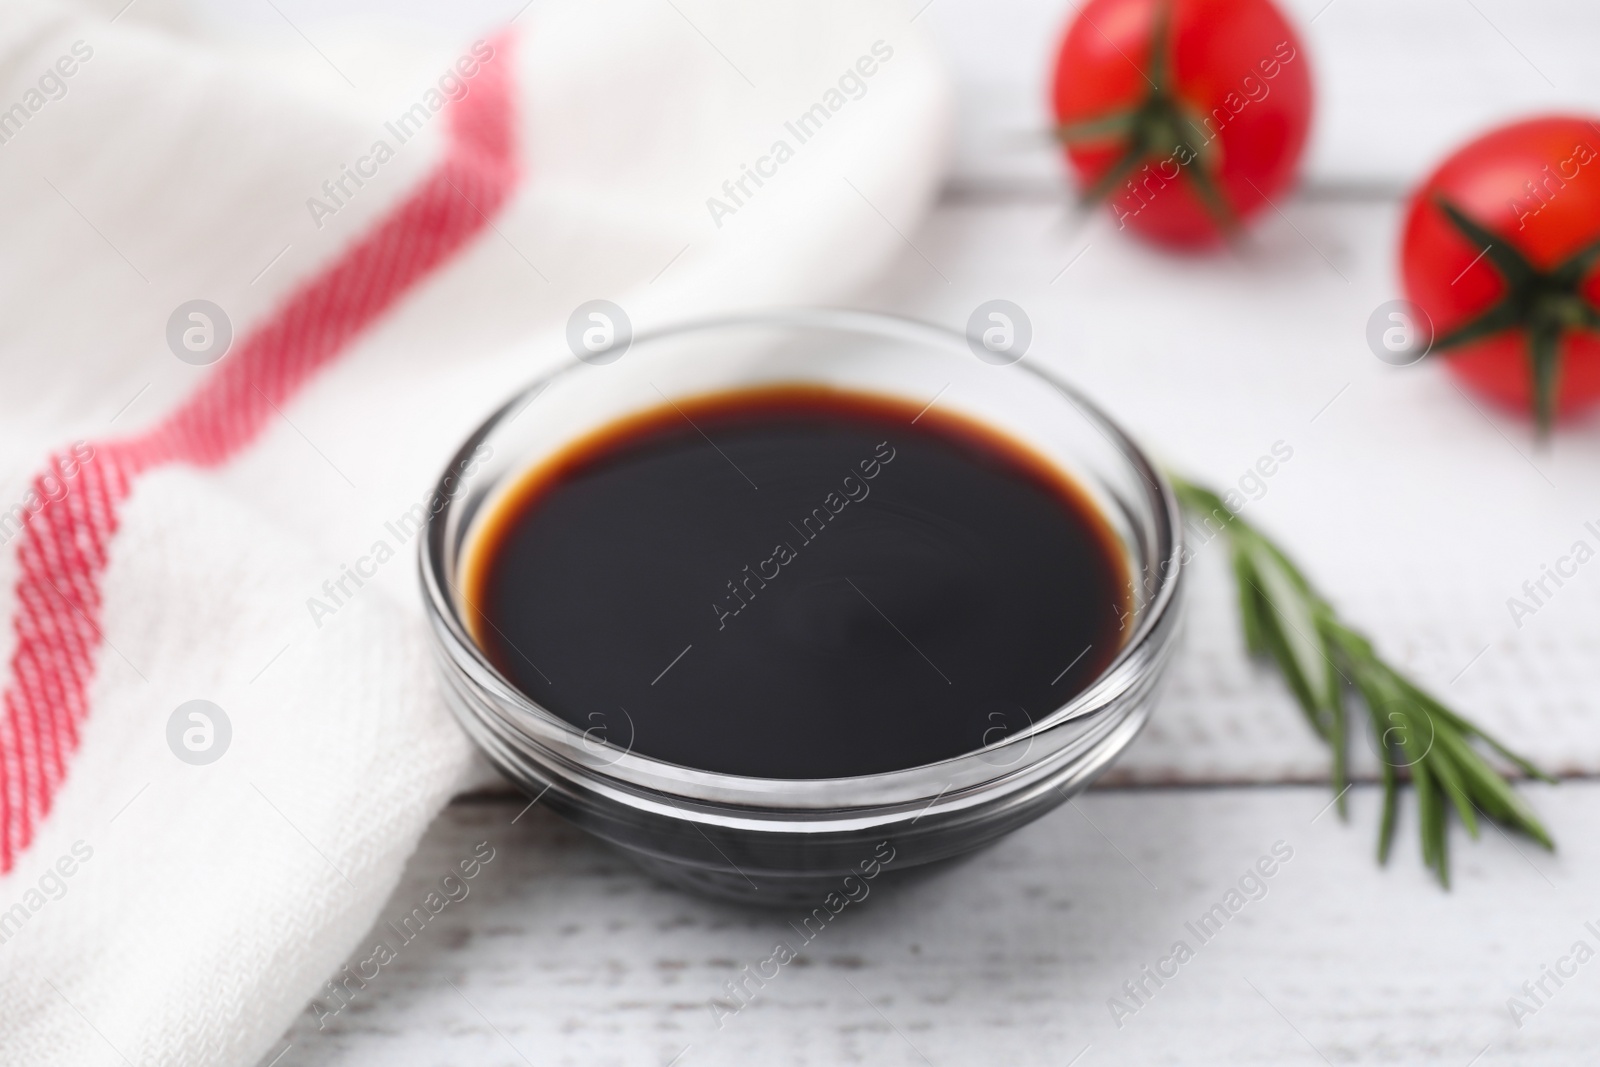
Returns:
<point x="564" y="953"/>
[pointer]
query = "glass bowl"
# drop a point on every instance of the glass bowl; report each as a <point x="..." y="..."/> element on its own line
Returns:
<point x="781" y="840"/>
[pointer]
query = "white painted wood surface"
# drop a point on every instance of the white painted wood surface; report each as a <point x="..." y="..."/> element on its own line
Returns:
<point x="564" y="954"/>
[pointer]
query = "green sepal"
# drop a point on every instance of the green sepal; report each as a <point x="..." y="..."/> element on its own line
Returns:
<point x="1544" y="357"/>
<point x="1116" y="125"/>
<point x="1513" y="266"/>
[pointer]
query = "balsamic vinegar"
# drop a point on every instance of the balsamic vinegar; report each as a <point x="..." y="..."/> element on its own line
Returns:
<point x="797" y="583"/>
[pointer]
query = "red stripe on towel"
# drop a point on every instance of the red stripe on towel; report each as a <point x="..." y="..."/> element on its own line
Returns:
<point x="64" y="545"/>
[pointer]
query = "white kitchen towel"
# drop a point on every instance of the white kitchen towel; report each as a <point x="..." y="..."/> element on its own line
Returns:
<point x="256" y="288"/>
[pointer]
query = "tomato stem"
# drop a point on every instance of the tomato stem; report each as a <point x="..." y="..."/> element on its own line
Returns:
<point x="1545" y="305"/>
<point x="1153" y="130"/>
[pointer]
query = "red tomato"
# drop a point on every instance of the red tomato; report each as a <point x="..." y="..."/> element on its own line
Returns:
<point x="1519" y="322"/>
<point x="1185" y="115"/>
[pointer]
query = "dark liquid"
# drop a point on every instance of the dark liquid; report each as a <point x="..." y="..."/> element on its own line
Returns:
<point x="799" y="583"/>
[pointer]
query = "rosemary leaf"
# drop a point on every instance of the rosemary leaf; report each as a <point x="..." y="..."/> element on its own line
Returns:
<point x="1391" y="810"/>
<point x="1323" y="661"/>
<point x="1250" y="605"/>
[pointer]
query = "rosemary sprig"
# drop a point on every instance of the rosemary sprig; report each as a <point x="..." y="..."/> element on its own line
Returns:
<point x="1322" y="659"/>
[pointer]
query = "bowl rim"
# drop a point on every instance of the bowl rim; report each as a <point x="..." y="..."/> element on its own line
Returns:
<point x="562" y="746"/>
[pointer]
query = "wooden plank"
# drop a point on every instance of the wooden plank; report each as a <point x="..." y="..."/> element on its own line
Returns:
<point x="564" y="953"/>
<point x="1399" y="81"/>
